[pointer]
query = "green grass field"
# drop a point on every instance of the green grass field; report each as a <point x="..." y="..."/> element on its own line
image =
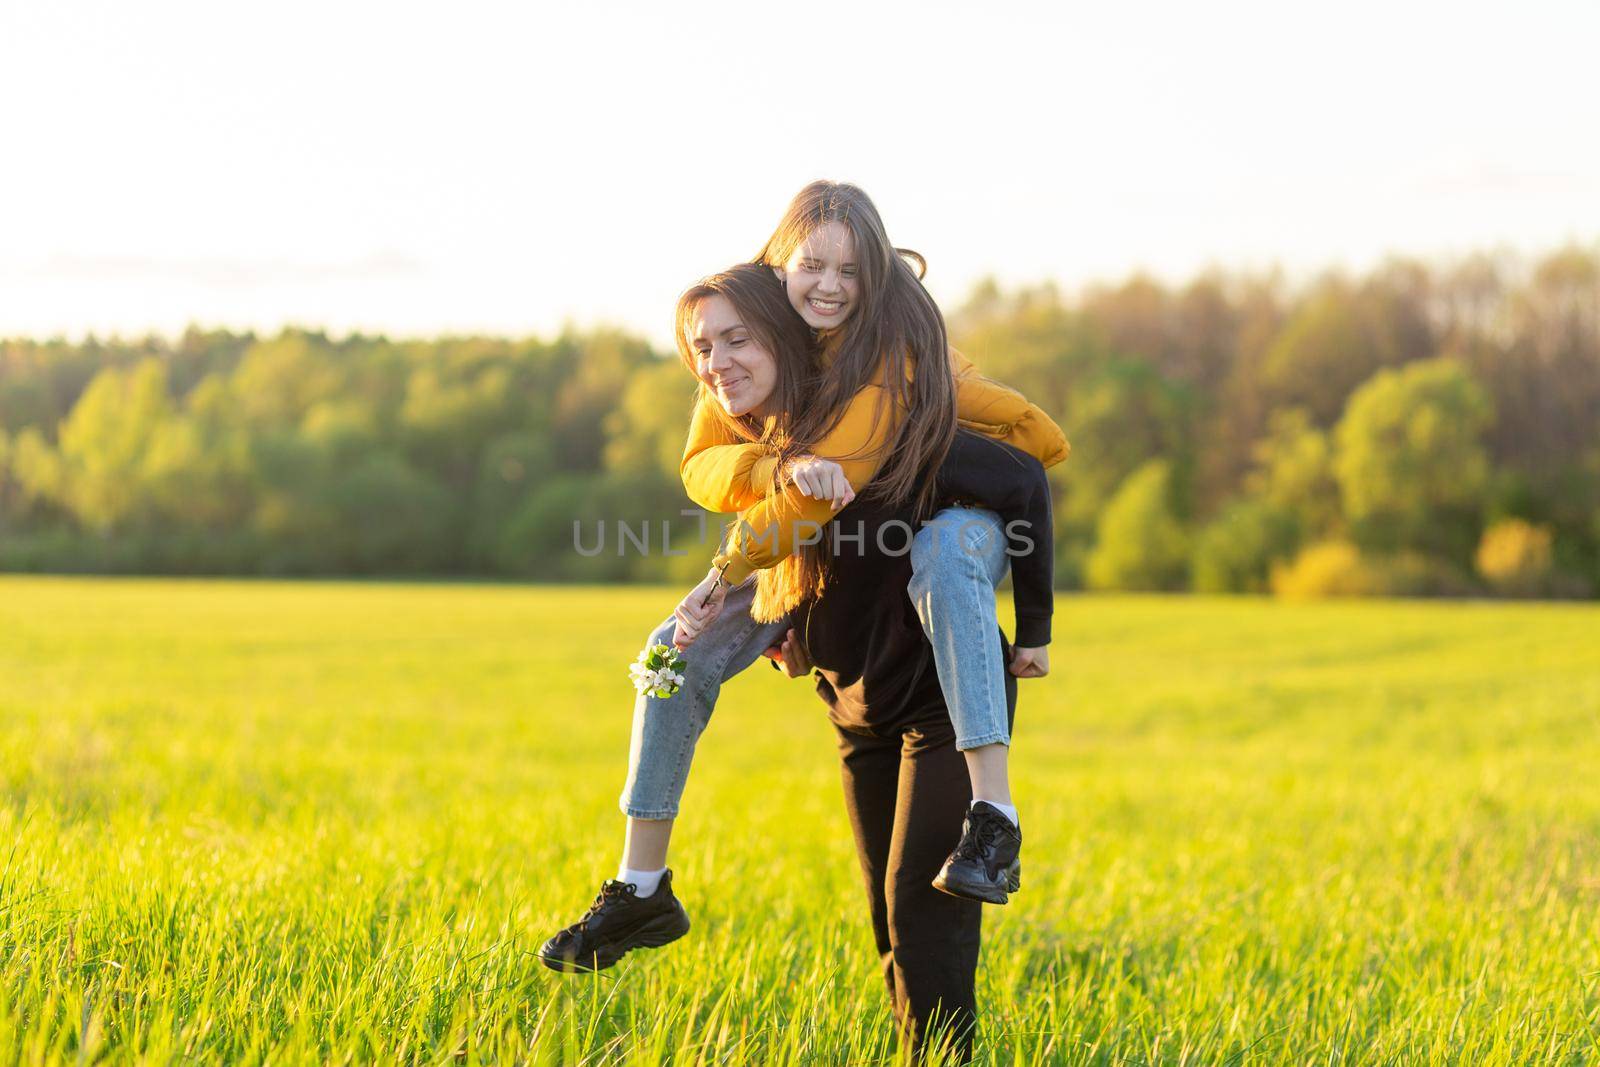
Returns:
<point x="332" y="823"/>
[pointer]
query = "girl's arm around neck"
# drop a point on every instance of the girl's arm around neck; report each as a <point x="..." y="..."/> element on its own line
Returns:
<point x="770" y="531"/>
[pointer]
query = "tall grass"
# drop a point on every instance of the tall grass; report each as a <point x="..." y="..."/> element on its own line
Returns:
<point x="288" y="823"/>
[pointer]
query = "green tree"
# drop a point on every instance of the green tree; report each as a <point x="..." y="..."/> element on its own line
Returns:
<point x="1294" y="473"/>
<point x="10" y="486"/>
<point x="388" y="517"/>
<point x="451" y="413"/>
<point x="1320" y="356"/>
<point x="589" y="376"/>
<point x="195" y="471"/>
<point x="1141" y="544"/>
<point x="1341" y="334"/>
<point x="278" y="380"/>
<point x="1236" y="550"/>
<point x="514" y="466"/>
<point x="104" y="442"/>
<point x="1410" y="460"/>
<point x="36" y="469"/>
<point x="646" y="430"/>
<point x="1119" y="418"/>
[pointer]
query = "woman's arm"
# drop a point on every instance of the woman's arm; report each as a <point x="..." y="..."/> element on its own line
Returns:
<point x="720" y="472"/>
<point x="697" y="610"/>
<point x="789" y="657"/>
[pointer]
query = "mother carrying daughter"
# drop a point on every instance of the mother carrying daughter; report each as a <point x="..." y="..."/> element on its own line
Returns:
<point x="790" y="427"/>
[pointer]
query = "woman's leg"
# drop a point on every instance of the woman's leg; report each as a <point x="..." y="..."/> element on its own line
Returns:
<point x="870" y="769"/>
<point x="665" y="730"/>
<point x="934" y="936"/>
<point x="957" y="559"/>
<point x="906" y="798"/>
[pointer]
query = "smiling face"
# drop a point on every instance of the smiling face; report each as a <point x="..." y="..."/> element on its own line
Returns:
<point x="729" y="358"/>
<point x="822" y="277"/>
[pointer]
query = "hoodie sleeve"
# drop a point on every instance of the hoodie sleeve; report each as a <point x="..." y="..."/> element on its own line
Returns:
<point x="996" y="410"/>
<point x="768" y="532"/>
<point x="720" y="472"/>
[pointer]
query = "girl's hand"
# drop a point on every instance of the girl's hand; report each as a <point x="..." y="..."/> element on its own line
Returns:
<point x="1030" y="662"/>
<point x="821" y="479"/>
<point x="790" y="656"/>
<point x="699" y="609"/>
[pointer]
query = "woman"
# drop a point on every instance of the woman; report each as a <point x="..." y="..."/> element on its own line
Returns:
<point x="906" y="784"/>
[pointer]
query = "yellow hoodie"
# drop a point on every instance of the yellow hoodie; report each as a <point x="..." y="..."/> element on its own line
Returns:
<point x="724" y="474"/>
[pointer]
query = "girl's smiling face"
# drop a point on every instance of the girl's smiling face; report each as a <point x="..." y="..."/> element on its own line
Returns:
<point x="822" y="278"/>
<point x="730" y="359"/>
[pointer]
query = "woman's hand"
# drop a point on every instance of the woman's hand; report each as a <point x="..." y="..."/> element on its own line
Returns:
<point x="699" y="609"/>
<point x="790" y="656"/>
<point x="1030" y="662"/>
<point x="821" y="479"/>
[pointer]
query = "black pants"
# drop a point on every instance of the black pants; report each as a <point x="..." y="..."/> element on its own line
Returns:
<point x="907" y="792"/>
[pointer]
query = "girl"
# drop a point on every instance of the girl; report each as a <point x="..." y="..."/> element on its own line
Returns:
<point x="840" y="270"/>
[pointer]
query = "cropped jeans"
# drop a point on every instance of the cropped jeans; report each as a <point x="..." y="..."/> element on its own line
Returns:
<point x="957" y="559"/>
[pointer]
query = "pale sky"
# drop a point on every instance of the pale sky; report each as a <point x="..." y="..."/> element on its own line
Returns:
<point x="510" y="167"/>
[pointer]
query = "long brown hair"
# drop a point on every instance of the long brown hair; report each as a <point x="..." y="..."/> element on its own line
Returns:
<point x="758" y="299"/>
<point x="895" y="335"/>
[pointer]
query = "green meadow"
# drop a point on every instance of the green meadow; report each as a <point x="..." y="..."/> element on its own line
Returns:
<point x="274" y="822"/>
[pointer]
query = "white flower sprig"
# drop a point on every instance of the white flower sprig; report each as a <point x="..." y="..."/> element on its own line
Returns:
<point x="658" y="671"/>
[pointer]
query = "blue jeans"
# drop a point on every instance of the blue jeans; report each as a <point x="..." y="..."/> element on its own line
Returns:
<point x="957" y="558"/>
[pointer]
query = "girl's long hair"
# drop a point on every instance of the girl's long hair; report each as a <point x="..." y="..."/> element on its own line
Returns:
<point x="760" y="302"/>
<point x="896" y="336"/>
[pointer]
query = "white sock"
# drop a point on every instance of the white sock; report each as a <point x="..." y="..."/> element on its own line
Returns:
<point x="646" y="881"/>
<point x="1005" y="809"/>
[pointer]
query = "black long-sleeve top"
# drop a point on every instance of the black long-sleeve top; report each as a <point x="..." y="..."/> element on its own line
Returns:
<point x="872" y="662"/>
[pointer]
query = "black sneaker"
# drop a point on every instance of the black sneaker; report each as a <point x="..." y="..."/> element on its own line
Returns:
<point x="619" y="920"/>
<point x="984" y="865"/>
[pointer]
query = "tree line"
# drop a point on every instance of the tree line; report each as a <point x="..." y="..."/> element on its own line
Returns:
<point x="1421" y="429"/>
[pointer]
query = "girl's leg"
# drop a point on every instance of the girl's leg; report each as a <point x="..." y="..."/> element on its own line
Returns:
<point x="665" y="730"/>
<point x="644" y="846"/>
<point x="957" y="559"/>
<point x="988" y="767"/>
<point x="639" y="909"/>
